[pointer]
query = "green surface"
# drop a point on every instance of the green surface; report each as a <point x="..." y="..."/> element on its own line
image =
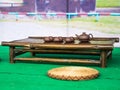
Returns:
<point x="33" y="76"/>
<point x="105" y="24"/>
<point x="108" y="3"/>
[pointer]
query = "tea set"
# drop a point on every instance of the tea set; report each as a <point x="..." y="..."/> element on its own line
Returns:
<point x="83" y="38"/>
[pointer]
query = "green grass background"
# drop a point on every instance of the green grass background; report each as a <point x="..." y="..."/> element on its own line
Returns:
<point x="105" y="24"/>
<point x="108" y="3"/>
<point x="33" y="76"/>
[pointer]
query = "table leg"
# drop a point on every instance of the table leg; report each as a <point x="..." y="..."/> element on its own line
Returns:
<point x="33" y="53"/>
<point x="110" y="54"/>
<point x="103" y="59"/>
<point x="12" y="54"/>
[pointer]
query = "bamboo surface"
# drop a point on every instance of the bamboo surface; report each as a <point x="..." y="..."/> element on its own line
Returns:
<point x="88" y="61"/>
<point x="33" y="43"/>
<point x="97" y="46"/>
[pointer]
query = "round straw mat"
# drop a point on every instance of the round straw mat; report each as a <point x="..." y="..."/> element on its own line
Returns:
<point x="73" y="73"/>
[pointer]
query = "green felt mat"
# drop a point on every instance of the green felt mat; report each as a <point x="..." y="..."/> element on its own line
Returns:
<point x="33" y="76"/>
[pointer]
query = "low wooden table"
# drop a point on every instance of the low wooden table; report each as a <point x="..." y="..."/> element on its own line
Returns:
<point x="97" y="46"/>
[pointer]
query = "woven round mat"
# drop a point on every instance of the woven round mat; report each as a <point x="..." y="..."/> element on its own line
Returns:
<point x="73" y="73"/>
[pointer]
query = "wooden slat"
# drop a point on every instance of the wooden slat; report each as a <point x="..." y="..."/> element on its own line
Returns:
<point x="63" y="51"/>
<point x="71" y="47"/>
<point x="19" y="53"/>
<point x="89" y="61"/>
<point x="116" y="39"/>
<point x="15" y="44"/>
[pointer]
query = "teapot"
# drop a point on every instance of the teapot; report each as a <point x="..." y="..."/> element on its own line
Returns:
<point x="58" y="39"/>
<point x="69" y="39"/>
<point x="48" y="39"/>
<point x="84" y="37"/>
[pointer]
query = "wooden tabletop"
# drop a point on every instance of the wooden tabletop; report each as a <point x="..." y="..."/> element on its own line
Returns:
<point x="95" y="43"/>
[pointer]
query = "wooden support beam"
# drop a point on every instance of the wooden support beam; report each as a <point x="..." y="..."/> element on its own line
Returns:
<point x="89" y="61"/>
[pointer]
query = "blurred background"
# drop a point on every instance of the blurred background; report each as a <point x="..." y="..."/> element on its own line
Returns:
<point x="22" y="18"/>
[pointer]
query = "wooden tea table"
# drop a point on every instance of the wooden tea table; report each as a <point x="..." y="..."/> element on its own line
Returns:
<point x="97" y="46"/>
